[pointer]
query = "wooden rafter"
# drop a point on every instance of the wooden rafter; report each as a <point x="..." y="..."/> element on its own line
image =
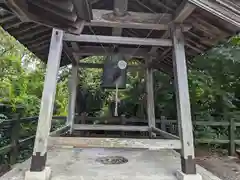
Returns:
<point x="224" y="9"/>
<point x="182" y="13"/>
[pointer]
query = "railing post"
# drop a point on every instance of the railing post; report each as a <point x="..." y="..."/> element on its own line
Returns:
<point x="150" y="99"/>
<point x="163" y="123"/>
<point x="231" y="134"/>
<point x="14" y="140"/>
<point x="123" y="122"/>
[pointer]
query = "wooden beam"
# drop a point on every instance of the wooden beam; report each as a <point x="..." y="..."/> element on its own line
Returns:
<point x="151" y="144"/>
<point x="7" y="18"/>
<point x="134" y="20"/>
<point x="60" y="131"/>
<point x="101" y="127"/>
<point x="223" y="9"/>
<point x="117" y="40"/>
<point x="25" y="29"/>
<point x="31" y="34"/>
<point x="72" y="97"/>
<point x="69" y="54"/>
<point x="150" y="97"/>
<point x="100" y="66"/>
<point x="164" y="133"/>
<point x="41" y="47"/>
<point x="120" y="9"/>
<point x="75" y="46"/>
<point x="40" y="43"/>
<point x="48" y="96"/>
<point x="183" y="12"/>
<point x="99" y="51"/>
<point x="36" y="40"/>
<point x="183" y="102"/>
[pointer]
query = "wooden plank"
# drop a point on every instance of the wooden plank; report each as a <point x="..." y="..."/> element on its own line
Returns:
<point x="39" y="43"/>
<point x="7" y="18"/>
<point x="133" y="20"/>
<point x="117" y="40"/>
<point x="60" y="131"/>
<point x="164" y="133"/>
<point x="51" y="7"/>
<point x="215" y="141"/>
<point x="29" y="119"/>
<point x="27" y="140"/>
<point x="99" y="51"/>
<point x="109" y="127"/>
<point x="212" y="141"/>
<point x="222" y="9"/>
<point x="209" y="123"/>
<point x="151" y="144"/>
<point x="33" y="33"/>
<point x="184" y="11"/>
<point x="100" y="66"/>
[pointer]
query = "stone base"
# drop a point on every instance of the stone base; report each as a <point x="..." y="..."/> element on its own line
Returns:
<point x="43" y="175"/>
<point x="181" y="176"/>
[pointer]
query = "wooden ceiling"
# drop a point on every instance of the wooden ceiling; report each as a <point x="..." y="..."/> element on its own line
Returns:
<point x="206" y="22"/>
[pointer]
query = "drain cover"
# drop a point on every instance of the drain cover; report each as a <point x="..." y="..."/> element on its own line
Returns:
<point x="112" y="160"/>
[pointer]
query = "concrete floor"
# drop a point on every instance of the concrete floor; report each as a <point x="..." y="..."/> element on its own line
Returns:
<point x="81" y="164"/>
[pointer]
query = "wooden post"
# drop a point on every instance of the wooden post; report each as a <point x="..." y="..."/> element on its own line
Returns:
<point x="39" y="156"/>
<point x="163" y="123"/>
<point x="72" y="97"/>
<point x="123" y="122"/>
<point x="150" y="100"/>
<point x="231" y="134"/>
<point x="183" y="101"/>
<point x="14" y="141"/>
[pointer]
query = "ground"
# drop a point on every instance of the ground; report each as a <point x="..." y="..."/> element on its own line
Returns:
<point x="221" y="165"/>
<point x="143" y="164"/>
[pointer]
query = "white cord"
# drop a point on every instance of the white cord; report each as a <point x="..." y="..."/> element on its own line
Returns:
<point x="116" y="101"/>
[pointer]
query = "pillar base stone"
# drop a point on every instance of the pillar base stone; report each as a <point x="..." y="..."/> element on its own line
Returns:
<point x="181" y="176"/>
<point x="42" y="175"/>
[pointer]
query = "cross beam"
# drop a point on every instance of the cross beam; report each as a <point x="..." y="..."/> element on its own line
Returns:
<point x="134" y="20"/>
<point x="99" y="51"/>
<point x="117" y="40"/>
<point x="100" y="66"/>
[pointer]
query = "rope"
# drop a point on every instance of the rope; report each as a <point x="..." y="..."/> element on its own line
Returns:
<point x="116" y="101"/>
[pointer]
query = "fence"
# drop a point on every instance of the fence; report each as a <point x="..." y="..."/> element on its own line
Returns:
<point x="10" y="132"/>
<point x="171" y="126"/>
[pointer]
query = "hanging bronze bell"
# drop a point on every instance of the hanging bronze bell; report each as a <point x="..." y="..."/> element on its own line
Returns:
<point x="113" y="74"/>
